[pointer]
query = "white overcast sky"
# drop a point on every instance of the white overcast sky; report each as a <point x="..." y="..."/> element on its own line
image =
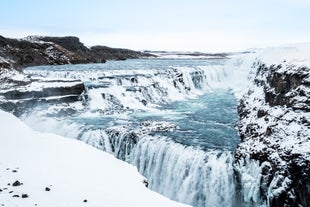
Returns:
<point x="200" y="25"/>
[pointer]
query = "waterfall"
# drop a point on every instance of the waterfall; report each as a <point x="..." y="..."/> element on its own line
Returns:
<point x="141" y="89"/>
<point x="185" y="174"/>
<point x="201" y="178"/>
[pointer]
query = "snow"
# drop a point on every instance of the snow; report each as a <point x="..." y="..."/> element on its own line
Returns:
<point x="292" y="57"/>
<point x="282" y="133"/>
<point x="3" y="60"/>
<point x="37" y="86"/>
<point x="185" y="55"/>
<point x="293" y="54"/>
<point x="35" y="39"/>
<point x="72" y="170"/>
<point x="12" y="74"/>
<point x="75" y="171"/>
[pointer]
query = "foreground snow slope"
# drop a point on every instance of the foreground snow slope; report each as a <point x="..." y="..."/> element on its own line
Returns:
<point x="75" y="173"/>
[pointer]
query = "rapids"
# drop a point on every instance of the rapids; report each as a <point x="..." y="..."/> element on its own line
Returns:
<point x="173" y="119"/>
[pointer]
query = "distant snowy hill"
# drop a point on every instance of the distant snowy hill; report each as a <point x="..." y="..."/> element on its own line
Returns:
<point x="39" y="169"/>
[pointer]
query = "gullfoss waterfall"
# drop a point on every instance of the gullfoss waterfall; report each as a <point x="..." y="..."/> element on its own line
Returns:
<point x="173" y="119"/>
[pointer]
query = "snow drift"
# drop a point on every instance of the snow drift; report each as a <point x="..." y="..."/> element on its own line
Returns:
<point x="55" y="171"/>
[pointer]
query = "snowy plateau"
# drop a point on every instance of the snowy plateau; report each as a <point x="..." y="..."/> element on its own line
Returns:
<point x="135" y="110"/>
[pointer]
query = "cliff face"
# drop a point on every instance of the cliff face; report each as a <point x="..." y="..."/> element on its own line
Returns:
<point x="117" y="53"/>
<point x="36" y="50"/>
<point x="33" y="51"/>
<point x="275" y="131"/>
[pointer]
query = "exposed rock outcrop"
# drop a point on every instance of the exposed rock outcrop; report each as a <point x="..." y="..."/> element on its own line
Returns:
<point x="31" y="52"/>
<point x="19" y="93"/>
<point x="40" y="50"/>
<point x="117" y="53"/>
<point x="275" y="131"/>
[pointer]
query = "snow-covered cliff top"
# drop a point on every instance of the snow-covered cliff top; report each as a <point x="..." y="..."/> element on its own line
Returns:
<point x="279" y="91"/>
<point x="294" y="54"/>
<point x="56" y="171"/>
<point x="274" y="123"/>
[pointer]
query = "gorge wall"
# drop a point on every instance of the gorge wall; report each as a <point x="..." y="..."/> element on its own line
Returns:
<point x="274" y="129"/>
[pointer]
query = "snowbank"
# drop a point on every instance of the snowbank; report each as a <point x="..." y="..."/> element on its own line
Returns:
<point x="55" y="171"/>
<point x="291" y="54"/>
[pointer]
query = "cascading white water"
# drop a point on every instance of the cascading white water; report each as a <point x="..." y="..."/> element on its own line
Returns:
<point x="250" y="172"/>
<point x="181" y="172"/>
<point x="136" y="88"/>
<point x="185" y="174"/>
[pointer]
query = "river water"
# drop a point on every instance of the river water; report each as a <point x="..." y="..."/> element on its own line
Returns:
<point x="173" y="119"/>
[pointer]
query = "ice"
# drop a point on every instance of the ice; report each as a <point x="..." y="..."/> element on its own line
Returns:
<point x="251" y="173"/>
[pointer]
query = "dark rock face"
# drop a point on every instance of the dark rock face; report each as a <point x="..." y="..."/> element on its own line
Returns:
<point x="70" y="43"/>
<point x="20" y="97"/>
<point x="274" y="128"/>
<point x="285" y="86"/>
<point x="24" y="53"/>
<point x="15" y="94"/>
<point x="4" y="64"/>
<point x="117" y="53"/>
<point x="121" y="143"/>
<point x="36" y="50"/>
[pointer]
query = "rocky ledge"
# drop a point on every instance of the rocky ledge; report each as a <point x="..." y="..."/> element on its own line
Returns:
<point x="19" y="94"/>
<point x="275" y="131"/>
<point x="40" y="50"/>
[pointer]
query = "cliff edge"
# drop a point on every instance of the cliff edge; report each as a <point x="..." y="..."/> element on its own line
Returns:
<point x="274" y="128"/>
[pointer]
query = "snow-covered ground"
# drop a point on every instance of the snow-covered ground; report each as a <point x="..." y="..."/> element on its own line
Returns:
<point x="55" y="171"/>
<point x="186" y="55"/>
<point x="294" y="54"/>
